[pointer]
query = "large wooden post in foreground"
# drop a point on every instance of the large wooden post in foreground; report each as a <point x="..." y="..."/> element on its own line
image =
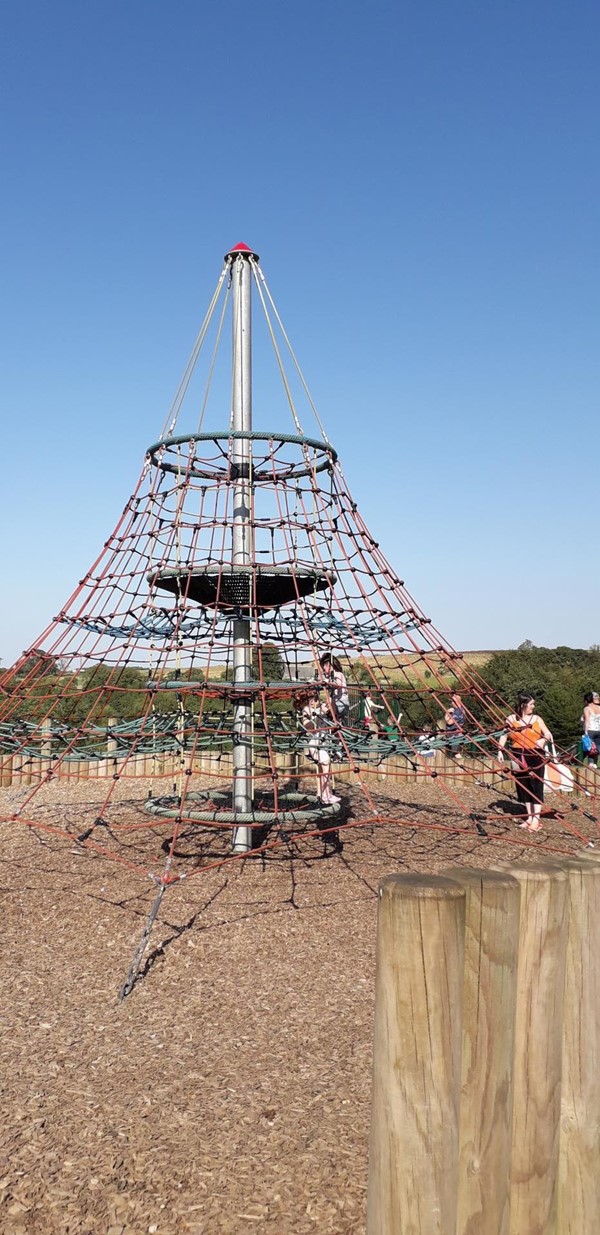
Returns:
<point x="413" y="1158"/>
<point x="538" y="1048"/>
<point x="489" y="1008"/>
<point x="446" y="1158"/>
<point x="579" y="1165"/>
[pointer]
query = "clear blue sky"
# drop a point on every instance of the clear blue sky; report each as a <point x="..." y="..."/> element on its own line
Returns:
<point x="421" y="181"/>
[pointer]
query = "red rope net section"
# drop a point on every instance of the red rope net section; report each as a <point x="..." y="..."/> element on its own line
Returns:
<point x="117" y="725"/>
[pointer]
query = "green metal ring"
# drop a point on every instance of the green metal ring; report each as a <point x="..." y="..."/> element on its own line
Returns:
<point x="254" y="435"/>
<point x="227" y="818"/>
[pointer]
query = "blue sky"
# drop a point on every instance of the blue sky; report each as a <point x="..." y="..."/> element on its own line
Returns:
<point x="422" y="184"/>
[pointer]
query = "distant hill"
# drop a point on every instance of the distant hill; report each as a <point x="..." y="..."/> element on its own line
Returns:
<point x="402" y="660"/>
<point x="475" y="659"/>
<point x="480" y="658"/>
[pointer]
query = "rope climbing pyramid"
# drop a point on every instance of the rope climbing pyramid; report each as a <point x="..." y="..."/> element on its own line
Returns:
<point x="241" y="670"/>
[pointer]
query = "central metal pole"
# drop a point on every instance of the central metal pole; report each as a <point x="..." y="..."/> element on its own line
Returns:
<point x="241" y="460"/>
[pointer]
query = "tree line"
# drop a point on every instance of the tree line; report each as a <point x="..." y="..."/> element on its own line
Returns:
<point x="558" y="678"/>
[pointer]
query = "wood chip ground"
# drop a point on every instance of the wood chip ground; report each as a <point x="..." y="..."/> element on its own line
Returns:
<point x="230" y="1092"/>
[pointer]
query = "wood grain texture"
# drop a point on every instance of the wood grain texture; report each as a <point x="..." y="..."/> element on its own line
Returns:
<point x="489" y="1005"/>
<point x="579" y="1165"/>
<point x="538" y="1048"/>
<point x="413" y="1159"/>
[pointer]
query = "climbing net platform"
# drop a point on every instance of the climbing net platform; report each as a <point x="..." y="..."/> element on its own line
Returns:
<point x="241" y="668"/>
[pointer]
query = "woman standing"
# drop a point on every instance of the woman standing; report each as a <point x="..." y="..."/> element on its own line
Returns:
<point x="591" y="726"/>
<point x="527" y="735"/>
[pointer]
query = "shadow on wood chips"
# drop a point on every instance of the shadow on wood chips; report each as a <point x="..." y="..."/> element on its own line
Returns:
<point x="230" y="1092"/>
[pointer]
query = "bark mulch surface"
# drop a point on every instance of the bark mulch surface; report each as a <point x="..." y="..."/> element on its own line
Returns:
<point x="230" y="1092"/>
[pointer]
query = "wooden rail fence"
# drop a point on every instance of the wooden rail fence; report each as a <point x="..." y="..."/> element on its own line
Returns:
<point x="485" y="771"/>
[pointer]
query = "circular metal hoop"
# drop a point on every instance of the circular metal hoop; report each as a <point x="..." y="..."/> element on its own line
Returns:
<point x="278" y="689"/>
<point x="220" y="816"/>
<point x="226" y="470"/>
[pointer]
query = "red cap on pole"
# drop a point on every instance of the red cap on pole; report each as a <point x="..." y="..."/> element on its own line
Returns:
<point x="243" y="249"/>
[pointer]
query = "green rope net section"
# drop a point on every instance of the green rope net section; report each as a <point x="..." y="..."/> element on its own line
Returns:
<point x="308" y="810"/>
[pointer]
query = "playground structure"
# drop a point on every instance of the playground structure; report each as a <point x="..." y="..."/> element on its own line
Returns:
<point x="177" y="674"/>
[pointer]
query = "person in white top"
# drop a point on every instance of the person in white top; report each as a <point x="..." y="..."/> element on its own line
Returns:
<point x="369" y="706"/>
<point x="335" y="679"/>
<point x="423" y="742"/>
<point x="591" y="724"/>
<point x="314" y="716"/>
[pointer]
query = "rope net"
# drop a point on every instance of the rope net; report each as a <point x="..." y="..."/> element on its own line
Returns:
<point x="135" y="687"/>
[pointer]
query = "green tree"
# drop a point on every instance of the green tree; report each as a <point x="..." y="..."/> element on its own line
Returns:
<point x="558" y="678"/>
<point x="268" y="664"/>
<point x="35" y="665"/>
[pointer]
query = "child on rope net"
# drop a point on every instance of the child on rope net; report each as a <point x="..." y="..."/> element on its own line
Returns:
<point x="370" y="721"/>
<point x="454" y="721"/>
<point x="315" y="718"/>
<point x="335" y="679"/>
<point x="423" y="742"/>
<point x="527" y="735"/>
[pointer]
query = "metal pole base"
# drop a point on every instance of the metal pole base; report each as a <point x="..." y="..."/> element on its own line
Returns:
<point x="242" y="840"/>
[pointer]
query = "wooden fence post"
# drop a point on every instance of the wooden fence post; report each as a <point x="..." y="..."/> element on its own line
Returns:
<point x="46" y="747"/>
<point x="538" y="1048"/>
<point x="579" y="1169"/>
<point x="413" y="1156"/>
<point x="108" y="764"/>
<point x="7" y="771"/>
<point x="489" y="1005"/>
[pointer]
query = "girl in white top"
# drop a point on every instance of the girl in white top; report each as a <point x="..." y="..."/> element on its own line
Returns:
<point x="369" y="706"/>
<point x="591" y="722"/>
<point x="314" y="716"/>
<point x="336" y="680"/>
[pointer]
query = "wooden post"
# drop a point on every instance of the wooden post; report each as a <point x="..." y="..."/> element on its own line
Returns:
<point x="111" y="748"/>
<point x="7" y="771"/>
<point x="538" y="1048"/>
<point x="440" y="760"/>
<point x="489" y="1005"/>
<point x="579" y="1169"/>
<point x="282" y="763"/>
<point x="405" y="767"/>
<point x="484" y="770"/>
<point x="413" y="1157"/>
<point x="159" y="765"/>
<point x="46" y="747"/>
<point x="585" y="779"/>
